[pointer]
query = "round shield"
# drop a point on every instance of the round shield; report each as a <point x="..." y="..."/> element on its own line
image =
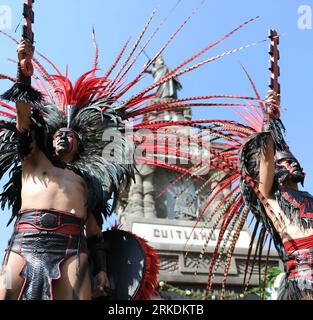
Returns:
<point x="126" y="264"/>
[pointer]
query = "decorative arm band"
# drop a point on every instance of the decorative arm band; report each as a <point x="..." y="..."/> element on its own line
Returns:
<point x="22" y="90"/>
<point x="277" y="130"/>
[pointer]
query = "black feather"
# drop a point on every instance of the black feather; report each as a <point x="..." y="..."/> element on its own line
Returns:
<point x="23" y="93"/>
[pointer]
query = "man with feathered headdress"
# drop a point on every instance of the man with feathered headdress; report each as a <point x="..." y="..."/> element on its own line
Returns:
<point x="288" y="212"/>
<point x="62" y="185"/>
<point x="260" y="175"/>
<point x="258" y="156"/>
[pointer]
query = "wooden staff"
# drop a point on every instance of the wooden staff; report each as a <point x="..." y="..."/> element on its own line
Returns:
<point x="27" y="33"/>
<point x="273" y="63"/>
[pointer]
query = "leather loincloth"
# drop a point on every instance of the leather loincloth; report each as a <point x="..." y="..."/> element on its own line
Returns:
<point x="45" y="238"/>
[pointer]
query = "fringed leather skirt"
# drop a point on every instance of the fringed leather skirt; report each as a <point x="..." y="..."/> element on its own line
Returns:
<point x="45" y="238"/>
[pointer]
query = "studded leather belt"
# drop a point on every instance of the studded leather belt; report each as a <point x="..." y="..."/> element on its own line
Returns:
<point x="49" y="220"/>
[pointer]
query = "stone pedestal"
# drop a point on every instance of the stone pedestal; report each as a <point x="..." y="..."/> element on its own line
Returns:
<point x="179" y="256"/>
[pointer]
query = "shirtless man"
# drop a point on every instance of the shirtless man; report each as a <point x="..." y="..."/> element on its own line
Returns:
<point x="286" y="228"/>
<point x="289" y="216"/>
<point x="51" y="194"/>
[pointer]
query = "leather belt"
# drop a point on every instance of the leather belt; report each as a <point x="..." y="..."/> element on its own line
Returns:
<point x="49" y="220"/>
<point x="67" y="229"/>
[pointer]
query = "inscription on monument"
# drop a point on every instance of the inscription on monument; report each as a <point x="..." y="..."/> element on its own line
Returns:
<point x="162" y="233"/>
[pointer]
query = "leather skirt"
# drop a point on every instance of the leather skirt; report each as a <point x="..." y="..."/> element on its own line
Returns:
<point x="45" y="238"/>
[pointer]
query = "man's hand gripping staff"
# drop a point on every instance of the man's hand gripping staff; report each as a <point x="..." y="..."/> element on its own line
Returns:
<point x="22" y="90"/>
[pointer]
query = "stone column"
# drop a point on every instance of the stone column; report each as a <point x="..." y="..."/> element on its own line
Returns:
<point x="135" y="197"/>
<point x="148" y="197"/>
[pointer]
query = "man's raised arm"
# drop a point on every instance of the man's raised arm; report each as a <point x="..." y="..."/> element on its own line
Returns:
<point x="267" y="156"/>
<point x="23" y="114"/>
<point x="267" y="169"/>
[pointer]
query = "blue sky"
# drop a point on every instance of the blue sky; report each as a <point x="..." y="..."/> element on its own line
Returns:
<point x="63" y="33"/>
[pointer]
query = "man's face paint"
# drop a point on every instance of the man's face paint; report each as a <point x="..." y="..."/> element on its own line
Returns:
<point x="63" y="141"/>
<point x="289" y="168"/>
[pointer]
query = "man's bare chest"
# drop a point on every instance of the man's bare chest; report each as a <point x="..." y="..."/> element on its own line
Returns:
<point x="43" y="171"/>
